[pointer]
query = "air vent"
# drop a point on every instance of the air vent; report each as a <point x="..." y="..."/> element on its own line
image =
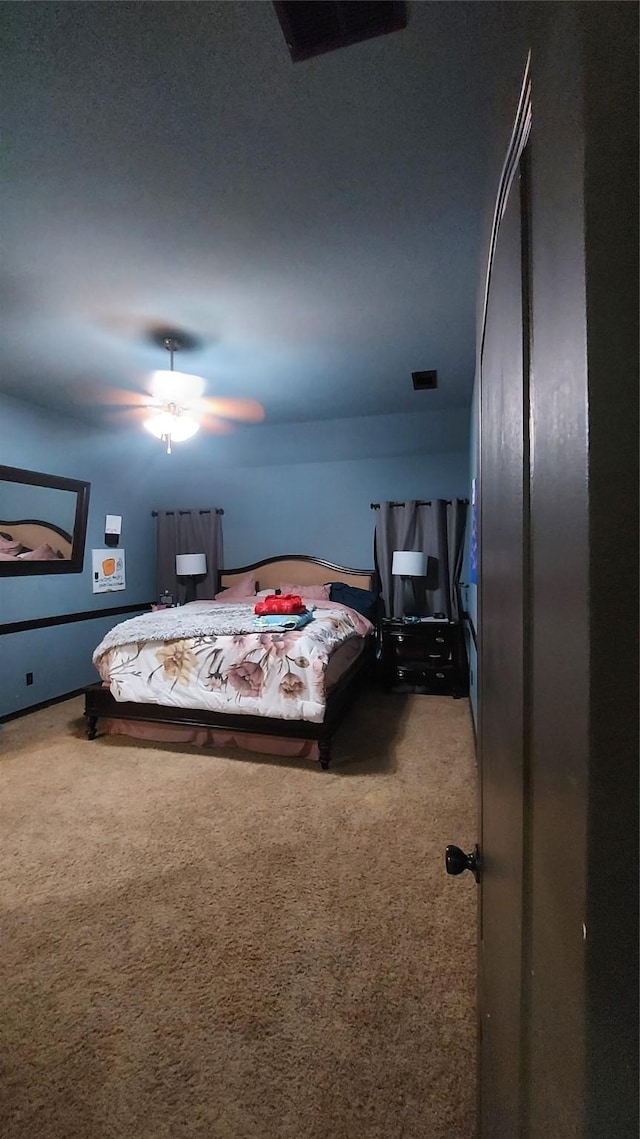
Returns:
<point x="312" y="27"/>
<point x="423" y="381"/>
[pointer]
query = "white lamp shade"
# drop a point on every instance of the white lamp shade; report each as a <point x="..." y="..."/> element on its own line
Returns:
<point x="188" y="565"/>
<point x="409" y="563"/>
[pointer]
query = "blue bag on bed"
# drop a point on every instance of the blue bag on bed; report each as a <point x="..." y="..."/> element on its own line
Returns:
<point x="364" y="601"/>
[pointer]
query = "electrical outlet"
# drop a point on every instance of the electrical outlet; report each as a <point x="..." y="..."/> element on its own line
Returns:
<point x="29" y="678"/>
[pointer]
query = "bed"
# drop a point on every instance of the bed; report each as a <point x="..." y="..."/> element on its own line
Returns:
<point x="205" y="677"/>
<point x="31" y="539"/>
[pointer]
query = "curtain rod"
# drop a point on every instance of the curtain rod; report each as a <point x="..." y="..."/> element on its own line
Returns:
<point x="376" y="506"/>
<point x="217" y="510"/>
<point x="428" y="502"/>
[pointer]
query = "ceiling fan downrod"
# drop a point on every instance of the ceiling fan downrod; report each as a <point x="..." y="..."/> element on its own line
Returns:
<point x="172" y="345"/>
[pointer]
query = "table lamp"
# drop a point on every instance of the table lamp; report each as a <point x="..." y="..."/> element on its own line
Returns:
<point x="191" y="566"/>
<point x="409" y="564"/>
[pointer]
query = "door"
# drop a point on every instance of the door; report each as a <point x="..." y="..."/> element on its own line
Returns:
<point x="503" y="598"/>
<point x="558" y="619"/>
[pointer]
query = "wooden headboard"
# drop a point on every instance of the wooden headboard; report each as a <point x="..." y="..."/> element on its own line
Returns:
<point x="32" y="534"/>
<point x="299" y="569"/>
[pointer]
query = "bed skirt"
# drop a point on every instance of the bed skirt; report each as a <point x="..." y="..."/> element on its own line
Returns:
<point x="212" y="738"/>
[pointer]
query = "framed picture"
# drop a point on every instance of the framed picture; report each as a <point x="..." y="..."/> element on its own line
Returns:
<point x="108" y="570"/>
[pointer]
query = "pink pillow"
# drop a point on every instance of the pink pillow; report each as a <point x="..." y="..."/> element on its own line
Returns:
<point x="10" y="546"/>
<point x="313" y="592"/>
<point x="243" y="589"/>
<point x="42" y="554"/>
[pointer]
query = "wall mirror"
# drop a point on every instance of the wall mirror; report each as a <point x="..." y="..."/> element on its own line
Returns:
<point x="43" y="523"/>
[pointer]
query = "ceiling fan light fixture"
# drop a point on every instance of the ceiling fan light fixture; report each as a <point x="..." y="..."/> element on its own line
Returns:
<point x="173" y="423"/>
<point x="172" y="426"/>
<point x="168" y="386"/>
<point x="184" y="428"/>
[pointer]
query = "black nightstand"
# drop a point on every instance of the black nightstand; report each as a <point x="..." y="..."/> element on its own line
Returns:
<point x="425" y="656"/>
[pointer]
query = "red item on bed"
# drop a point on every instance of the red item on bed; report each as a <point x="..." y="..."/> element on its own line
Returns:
<point x="280" y="603"/>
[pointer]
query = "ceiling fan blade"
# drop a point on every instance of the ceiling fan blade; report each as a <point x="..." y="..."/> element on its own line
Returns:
<point x="122" y="397"/>
<point x="216" y="426"/>
<point x="117" y="416"/>
<point x="245" y="410"/>
<point x="140" y="412"/>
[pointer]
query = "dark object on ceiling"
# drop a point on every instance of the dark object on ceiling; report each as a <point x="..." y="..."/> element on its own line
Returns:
<point x="312" y="27"/>
<point x="424" y="381"/>
<point x="185" y="340"/>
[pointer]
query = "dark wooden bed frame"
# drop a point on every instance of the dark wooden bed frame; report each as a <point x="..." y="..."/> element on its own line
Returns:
<point x="100" y="704"/>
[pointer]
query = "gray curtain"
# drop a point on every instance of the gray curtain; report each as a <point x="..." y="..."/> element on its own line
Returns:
<point x="437" y="528"/>
<point x="188" y="532"/>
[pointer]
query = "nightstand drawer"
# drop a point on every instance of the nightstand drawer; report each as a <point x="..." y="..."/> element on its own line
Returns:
<point x="434" y="637"/>
<point x="425" y="634"/>
<point x="427" y="651"/>
<point x="434" y="680"/>
<point x="426" y="656"/>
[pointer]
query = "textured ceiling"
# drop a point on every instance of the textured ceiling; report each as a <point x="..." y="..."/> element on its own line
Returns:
<point x="316" y="225"/>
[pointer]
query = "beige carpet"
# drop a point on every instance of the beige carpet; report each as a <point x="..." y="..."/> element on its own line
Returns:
<point x="236" y="947"/>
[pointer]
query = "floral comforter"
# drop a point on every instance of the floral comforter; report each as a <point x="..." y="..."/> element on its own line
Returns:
<point x="282" y="675"/>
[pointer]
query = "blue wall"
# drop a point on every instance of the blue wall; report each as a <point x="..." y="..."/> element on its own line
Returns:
<point x="121" y="483"/>
<point x="307" y="488"/>
<point x="295" y="488"/>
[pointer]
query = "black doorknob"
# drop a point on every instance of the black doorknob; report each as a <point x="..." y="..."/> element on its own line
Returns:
<point x="456" y="861"/>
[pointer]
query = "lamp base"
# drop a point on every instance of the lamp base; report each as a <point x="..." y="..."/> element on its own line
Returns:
<point x="190" y="590"/>
<point x="408" y="598"/>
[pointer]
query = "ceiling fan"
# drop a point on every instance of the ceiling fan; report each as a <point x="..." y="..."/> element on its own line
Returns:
<point x="176" y="406"/>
